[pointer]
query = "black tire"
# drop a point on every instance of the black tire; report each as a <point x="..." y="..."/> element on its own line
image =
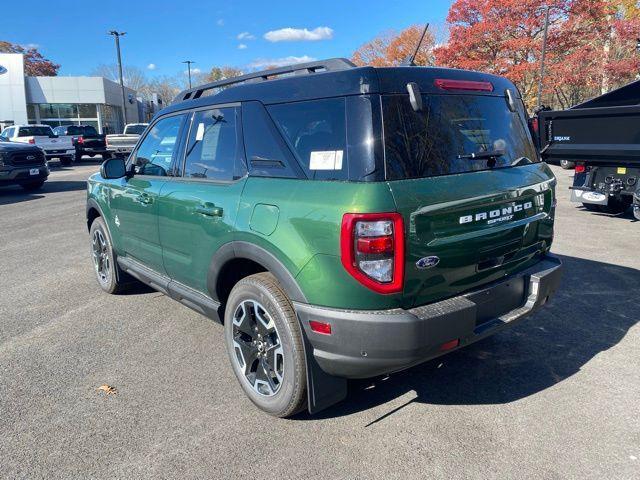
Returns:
<point x="616" y="206"/>
<point x="280" y="396"/>
<point x="592" y="207"/>
<point x="567" y="165"/>
<point x="113" y="279"/>
<point x="33" y="185"/>
<point x="66" y="161"/>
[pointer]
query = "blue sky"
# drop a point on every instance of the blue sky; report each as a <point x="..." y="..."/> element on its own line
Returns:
<point x="160" y="34"/>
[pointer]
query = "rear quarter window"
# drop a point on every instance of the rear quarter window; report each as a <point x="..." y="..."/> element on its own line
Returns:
<point x="316" y="132"/>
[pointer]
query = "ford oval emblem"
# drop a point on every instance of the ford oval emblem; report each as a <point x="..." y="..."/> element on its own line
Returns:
<point x="2" y="70"/>
<point x="427" y="262"/>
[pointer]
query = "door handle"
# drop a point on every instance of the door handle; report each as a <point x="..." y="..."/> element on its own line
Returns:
<point x="144" y="199"/>
<point x="208" y="210"/>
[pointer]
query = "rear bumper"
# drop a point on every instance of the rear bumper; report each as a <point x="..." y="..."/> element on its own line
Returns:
<point x="368" y="343"/>
<point x="59" y="153"/>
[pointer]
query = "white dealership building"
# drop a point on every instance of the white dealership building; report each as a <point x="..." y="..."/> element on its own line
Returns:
<point x="59" y="101"/>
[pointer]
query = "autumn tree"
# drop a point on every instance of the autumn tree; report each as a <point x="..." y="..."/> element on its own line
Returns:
<point x="222" y="73"/>
<point x="35" y="65"/>
<point x="590" y="45"/>
<point x="132" y="77"/>
<point x="392" y="48"/>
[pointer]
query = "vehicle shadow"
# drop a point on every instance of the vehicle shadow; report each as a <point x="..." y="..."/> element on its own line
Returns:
<point x="592" y="311"/>
<point x="626" y="215"/>
<point x="16" y="194"/>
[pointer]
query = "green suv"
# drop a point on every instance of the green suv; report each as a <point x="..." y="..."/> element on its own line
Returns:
<point x="341" y="222"/>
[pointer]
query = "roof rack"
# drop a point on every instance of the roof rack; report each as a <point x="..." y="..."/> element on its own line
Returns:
<point x="331" y="64"/>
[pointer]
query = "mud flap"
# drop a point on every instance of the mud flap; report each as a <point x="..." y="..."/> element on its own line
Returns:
<point x="323" y="390"/>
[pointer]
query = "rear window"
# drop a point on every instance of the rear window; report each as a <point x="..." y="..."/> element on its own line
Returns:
<point x="134" y="129"/>
<point x="35" y="132"/>
<point x="316" y="133"/>
<point x="439" y="139"/>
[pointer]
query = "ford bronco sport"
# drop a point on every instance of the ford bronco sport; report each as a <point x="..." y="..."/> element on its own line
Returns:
<point x="341" y="222"/>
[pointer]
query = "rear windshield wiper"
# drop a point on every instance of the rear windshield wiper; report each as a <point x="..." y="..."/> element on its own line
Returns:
<point x="482" y="155"/>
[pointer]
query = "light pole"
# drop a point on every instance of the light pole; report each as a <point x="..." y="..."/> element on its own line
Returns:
<point x="189" y="62"/>
<point x="544" y="53"/>
<point x="117" y="36"/>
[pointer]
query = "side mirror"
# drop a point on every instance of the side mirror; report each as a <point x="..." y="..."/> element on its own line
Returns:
<point x="113" y="168"/>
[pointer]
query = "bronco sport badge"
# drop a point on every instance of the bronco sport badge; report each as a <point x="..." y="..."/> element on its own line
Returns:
<point x="503" y="214"/>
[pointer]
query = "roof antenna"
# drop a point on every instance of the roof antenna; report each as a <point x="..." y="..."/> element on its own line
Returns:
<point x="410" y="61"/>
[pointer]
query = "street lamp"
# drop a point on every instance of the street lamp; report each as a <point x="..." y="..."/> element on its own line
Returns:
<point x="117" y="36"/>
<point x="189" y="62"/>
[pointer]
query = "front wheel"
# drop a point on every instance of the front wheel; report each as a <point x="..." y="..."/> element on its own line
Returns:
<point x="109" y="276"/>
<point x="264" y="343"/>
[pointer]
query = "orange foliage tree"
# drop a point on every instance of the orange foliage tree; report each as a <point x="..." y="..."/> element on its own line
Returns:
<point x="392" y="48"/>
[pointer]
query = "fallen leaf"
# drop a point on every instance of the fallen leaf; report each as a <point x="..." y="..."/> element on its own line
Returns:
<point x="108" y="389"/>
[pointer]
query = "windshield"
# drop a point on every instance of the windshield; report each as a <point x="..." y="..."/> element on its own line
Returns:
<point x="452" y="134"/>
<point x="134" y="129"/>
<point x="35" y="132"/>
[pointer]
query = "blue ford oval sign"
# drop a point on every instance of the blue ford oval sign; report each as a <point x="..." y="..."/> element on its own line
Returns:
<point x="2" y="70"/>
<point x="427" y="262"/>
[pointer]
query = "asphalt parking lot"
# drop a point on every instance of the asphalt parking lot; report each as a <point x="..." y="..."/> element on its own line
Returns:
<point x="554" y="397"/>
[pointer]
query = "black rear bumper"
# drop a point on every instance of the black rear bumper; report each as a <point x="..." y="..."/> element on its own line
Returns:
<point x="368" y="343"/>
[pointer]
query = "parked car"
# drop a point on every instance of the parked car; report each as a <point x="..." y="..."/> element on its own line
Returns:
<point x="22" y="164"/>
<point x="43" y="137"/>
<point x="601" y="137"/>
<point x="342" y="222"/>
<point x="121" y="145"/>
<point x="85" y="138"/>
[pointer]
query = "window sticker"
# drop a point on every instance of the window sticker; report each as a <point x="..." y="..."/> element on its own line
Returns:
<point x="326" y="160"/>
<point x="200" y="132"/>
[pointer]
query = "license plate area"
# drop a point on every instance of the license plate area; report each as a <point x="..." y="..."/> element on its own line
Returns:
<point x="498" y="299"/>
<point x="34" y="171"/>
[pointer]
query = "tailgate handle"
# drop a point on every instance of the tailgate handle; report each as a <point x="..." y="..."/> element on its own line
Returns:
<point x="490" y="263"/>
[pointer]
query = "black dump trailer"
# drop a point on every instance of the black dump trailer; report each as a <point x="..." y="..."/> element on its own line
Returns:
<point x="602" y="137"/>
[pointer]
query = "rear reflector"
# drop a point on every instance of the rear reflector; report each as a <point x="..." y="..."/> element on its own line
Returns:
<point x="448" y="84"/>
<point x="320" y="327"/>
<point x="450" y="345"/>
<point x="580" y="168"/>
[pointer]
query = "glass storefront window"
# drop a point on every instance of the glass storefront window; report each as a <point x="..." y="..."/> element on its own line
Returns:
<point x="87" y="110"/>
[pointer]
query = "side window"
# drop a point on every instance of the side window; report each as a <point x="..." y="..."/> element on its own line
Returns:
<point x="212" y="149"/>
<point x="267" y="153"/>
<point x="157" y="150"/>
<point x="6" y="134"/>
<point x="316" y="131"/>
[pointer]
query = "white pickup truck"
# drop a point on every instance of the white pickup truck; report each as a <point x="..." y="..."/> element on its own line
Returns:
<point x="42" y="136"/>
<point x="121" y="145"/>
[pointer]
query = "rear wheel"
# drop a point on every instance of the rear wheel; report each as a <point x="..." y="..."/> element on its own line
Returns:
<point x="264" y="344"/>
<point x="109" y="276"/>
<point x="616" y="206"/>
<point x="591" y="207"/>
<point x="33" y="185"/>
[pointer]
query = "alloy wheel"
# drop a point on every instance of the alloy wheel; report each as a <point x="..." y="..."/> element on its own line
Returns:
<point x="101" y="260"/>
<point x="257" y="347"/>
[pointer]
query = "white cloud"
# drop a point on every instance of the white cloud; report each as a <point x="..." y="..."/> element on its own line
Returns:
<point x="220" y="22"/>
<point x="194" y="71"/>
<point x="151" y="66"/>
<point x="299" y="34"/>
<point x="245" y="36"/>
<point x="242" y="46"/>
<point x="280" y="62"/>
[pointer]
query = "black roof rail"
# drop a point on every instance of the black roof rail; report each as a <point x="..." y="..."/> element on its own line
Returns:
<point x="331" y="64"/>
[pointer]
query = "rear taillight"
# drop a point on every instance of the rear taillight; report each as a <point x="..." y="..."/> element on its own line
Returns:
<point x="32" y="141"/>
<point x="372" y="250"/>
<point x="580" y="168"/>
<point x="535" y="125"/>
<point x="449" y="84"/>
<point x="80" y="140"/>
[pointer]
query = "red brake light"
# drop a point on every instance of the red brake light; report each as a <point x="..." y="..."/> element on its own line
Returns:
<point x="320" y="327"/>
<point x="80" y="140"/>
<point x="580" y="168"/>
<point x="32" y="141"/>
<point x="449" y="345"/>
<point x="372" y="250"/>
<point x="449" y="84"/>
<point x="534" y="124"/>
